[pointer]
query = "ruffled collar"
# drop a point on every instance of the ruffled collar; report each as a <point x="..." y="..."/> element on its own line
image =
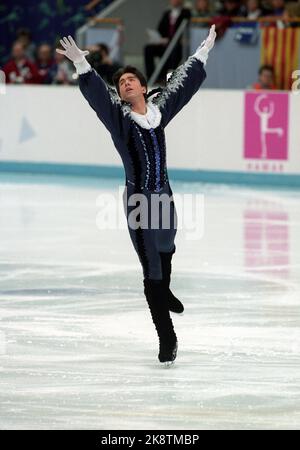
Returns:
<point x="151" y="119"/>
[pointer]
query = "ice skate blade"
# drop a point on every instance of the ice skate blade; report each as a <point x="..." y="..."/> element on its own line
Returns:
<point x="168" y="364"/>
<point x="178" y="314"/>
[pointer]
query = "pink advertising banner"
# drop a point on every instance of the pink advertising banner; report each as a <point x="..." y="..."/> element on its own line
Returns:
<point x="266" y="125"/>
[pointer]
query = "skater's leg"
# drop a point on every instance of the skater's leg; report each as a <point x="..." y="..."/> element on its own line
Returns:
<point x="175" y="305"/>
<point x="144" y="242"/>
<point x="155" y="293"/>
<point x="165" y="242"/>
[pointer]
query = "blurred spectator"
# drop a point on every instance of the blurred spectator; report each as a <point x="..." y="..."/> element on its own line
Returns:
<point x="265" y="78"/>
<point x="100" y="60"/>
<point x="253" y="9"/>
<point x="291" y="10"/>
<point x="62" y="71"/>
<point x="19" y="69"/>
<point x="24" y="36"/>
<point x="168" y="25"/>
<point x="232" y="8"/>
<point x="225" y="11"/>
<point x="277" y="7"/>
<point x="202" y="9"/>
<point x="45" y="63"/>
<point x="275" y="14"/>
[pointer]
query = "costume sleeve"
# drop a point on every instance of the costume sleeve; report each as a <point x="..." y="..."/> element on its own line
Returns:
<point x="184" y="82"/>
<point x="102" y="98"/>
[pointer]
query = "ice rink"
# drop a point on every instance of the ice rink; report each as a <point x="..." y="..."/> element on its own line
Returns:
<point x="78" y="348"/>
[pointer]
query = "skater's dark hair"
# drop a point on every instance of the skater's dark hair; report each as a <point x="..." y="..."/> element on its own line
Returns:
<point x="129" y="69"/>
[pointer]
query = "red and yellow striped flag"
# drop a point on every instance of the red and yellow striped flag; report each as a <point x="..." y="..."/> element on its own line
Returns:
<point x="280" y="49"/>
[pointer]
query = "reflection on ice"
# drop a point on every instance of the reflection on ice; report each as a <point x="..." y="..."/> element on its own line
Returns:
<point x="267" y="237"/>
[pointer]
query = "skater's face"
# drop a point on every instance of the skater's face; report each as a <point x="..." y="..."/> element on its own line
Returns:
<point x="130" y="87"/>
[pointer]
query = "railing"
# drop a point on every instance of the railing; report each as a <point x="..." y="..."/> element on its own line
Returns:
<point x="105" y="22"/>
<point x="181" y="29"/>
<point x="96" y="20"/>
<point x="81" y="32"/>
<point x="265" y="19"/>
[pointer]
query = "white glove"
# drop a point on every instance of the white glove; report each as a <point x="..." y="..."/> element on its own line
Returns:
<point x="71" y="50"/>
<point x="206" y="45"/>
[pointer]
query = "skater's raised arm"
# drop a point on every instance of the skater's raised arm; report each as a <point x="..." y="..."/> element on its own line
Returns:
<point x="185" y="81"/>
<point x="99" y="95"/>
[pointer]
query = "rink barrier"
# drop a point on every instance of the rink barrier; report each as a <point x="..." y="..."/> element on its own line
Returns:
<point x="207" y="176"/>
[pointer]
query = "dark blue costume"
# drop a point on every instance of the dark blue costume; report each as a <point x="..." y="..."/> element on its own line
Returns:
<point x="143" y="151"/>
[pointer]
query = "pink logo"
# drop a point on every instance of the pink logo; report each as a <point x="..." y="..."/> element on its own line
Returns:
<point x="266" y="126"/>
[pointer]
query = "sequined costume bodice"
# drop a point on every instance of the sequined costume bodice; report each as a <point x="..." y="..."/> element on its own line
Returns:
<point x="147" y="155"/>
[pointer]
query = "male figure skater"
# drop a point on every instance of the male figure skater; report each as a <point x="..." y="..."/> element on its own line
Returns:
<point x="136" y="121"/>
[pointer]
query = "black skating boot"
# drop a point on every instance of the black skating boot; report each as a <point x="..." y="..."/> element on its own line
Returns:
<point x="174" y="303"/>
<point x="155" y="293"/>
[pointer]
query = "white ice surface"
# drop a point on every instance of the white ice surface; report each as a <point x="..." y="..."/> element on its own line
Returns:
<point x="78" y="348"/>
